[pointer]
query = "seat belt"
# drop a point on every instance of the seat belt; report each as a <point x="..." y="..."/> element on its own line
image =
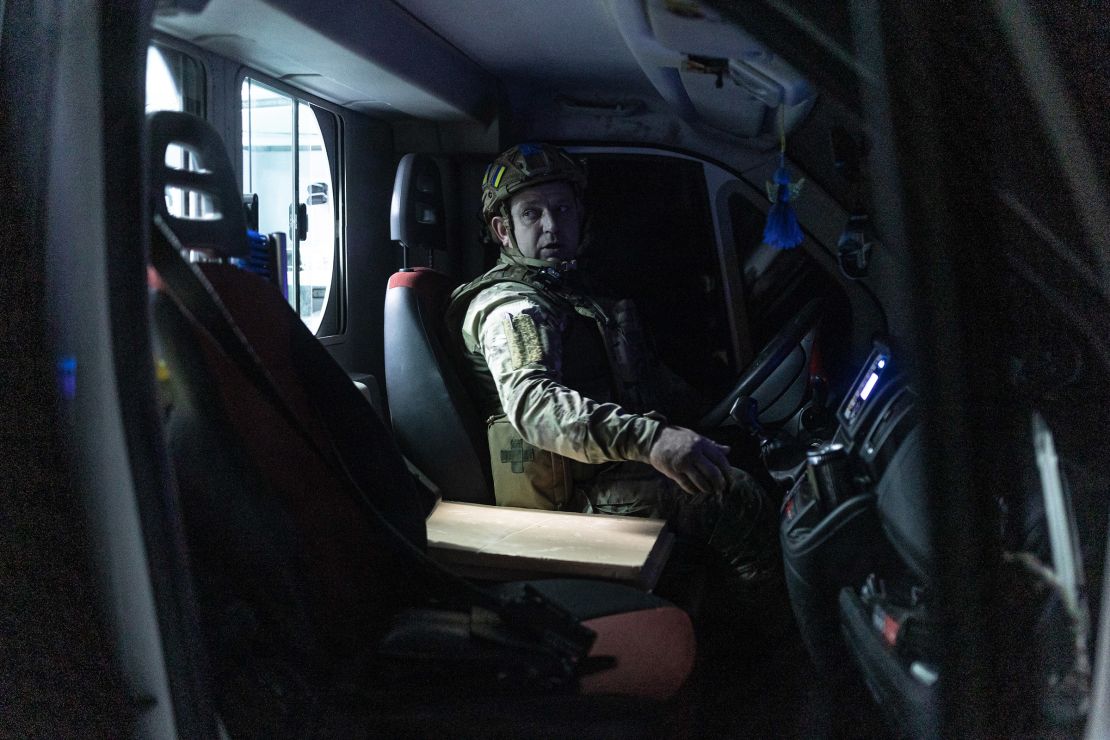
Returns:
<point x="530" y="614"/>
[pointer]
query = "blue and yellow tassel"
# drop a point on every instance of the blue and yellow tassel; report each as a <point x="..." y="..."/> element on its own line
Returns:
<point x="782" y="230"/>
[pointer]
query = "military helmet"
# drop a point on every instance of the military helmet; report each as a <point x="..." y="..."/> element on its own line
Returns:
<point x="522" y="167"/>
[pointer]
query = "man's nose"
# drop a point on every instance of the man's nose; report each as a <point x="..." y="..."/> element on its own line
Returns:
<point x="548" y="221"/>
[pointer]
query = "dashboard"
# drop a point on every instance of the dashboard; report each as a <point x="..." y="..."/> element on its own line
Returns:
<point x="857" y="549"/>
<point x="860" y="557"/>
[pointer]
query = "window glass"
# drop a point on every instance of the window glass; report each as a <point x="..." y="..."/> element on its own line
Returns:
<point x="778" y="283"/>
<point x="268" y="154"/>
<point x="315" y="190"/>
<point x="287" y="161"/>
<point x="649" y="237"/>
<point x="174" y="81"/>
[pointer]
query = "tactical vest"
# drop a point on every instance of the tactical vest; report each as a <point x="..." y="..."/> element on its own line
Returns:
<point x="599" y="360"/>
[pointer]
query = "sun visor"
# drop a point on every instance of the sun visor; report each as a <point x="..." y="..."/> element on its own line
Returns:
<point x="714" y="71"/>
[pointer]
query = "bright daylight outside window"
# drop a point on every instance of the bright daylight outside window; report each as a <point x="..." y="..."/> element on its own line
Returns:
<point x="174" y="81"/>
<point x="296" y="194"/>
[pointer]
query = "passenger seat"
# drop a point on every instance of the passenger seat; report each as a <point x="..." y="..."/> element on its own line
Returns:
<point x="314" y="619"/>
<point x="434" y="419"/>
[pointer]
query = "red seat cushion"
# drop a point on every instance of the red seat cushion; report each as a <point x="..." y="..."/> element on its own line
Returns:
<point x="433" y="288"/>
<point x="654" y="648"/>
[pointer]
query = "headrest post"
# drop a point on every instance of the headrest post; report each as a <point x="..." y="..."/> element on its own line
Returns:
<point x="404" y="255"/>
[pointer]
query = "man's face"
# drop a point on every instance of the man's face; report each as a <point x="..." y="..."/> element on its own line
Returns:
<point x="545" y="222"/>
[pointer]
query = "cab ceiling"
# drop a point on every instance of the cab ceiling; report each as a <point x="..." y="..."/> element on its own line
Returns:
<point x="367" y="55"/>
<point x="570" y="45"/>
<point x="470" y="60"/>
<point x="421" y="58"/>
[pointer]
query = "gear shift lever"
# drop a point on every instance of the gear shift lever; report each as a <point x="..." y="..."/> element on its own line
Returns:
<point x="745" y="412"/>
<point x="816" y="419"/>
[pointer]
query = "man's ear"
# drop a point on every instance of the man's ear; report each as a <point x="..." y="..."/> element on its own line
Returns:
<point x="500" y="228"/>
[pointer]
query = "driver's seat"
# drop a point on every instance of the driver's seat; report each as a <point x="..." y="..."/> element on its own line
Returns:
<point x="435" y="423"/>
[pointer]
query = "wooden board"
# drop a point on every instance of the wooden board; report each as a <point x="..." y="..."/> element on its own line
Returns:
<point x="503" y="543"/>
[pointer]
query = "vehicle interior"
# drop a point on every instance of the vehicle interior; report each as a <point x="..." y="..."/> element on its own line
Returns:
<point x="231" y="231"/>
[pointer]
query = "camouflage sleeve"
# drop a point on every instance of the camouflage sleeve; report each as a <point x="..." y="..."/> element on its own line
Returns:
<point x="520" y="338"/>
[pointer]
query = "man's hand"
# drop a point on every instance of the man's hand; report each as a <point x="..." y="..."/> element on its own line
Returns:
<point x="697" y="464"/>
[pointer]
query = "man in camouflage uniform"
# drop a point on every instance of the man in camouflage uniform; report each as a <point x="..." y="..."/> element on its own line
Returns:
<point x="571" y="388"/>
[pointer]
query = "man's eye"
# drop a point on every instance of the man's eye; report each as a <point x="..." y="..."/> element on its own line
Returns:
<point x="528" y="213"/>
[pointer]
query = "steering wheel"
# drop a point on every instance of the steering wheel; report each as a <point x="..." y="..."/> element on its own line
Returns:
<point x="766" y="362"/>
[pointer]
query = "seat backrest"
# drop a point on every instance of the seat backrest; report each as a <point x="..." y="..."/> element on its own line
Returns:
<point x="435" y="422"/>
<point x="287" y="557"/>
<point x="300" y="519"/>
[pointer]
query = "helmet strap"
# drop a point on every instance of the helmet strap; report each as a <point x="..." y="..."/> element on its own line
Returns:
<point x="512" y="249"/>
<point x="508" y="219"/>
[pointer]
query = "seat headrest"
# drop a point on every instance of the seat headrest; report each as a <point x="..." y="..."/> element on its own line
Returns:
<point x="221" y="226"/>
<point x="416" y="216"/>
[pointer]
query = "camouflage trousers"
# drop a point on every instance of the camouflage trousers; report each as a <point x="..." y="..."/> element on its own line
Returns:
<point x="740" y="524"/>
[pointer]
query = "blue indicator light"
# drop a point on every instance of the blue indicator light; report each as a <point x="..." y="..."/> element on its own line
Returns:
<point x="882" y="363"/>
<point x="869" y="386"/>
<point x="67" y="377"/>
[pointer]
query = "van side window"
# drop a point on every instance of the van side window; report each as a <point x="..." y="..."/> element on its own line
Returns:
<point x="779" y="282"/>
<point x="174" y="81"/>
<point x="650" y="238"/>
<point x="289" y="161"/>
